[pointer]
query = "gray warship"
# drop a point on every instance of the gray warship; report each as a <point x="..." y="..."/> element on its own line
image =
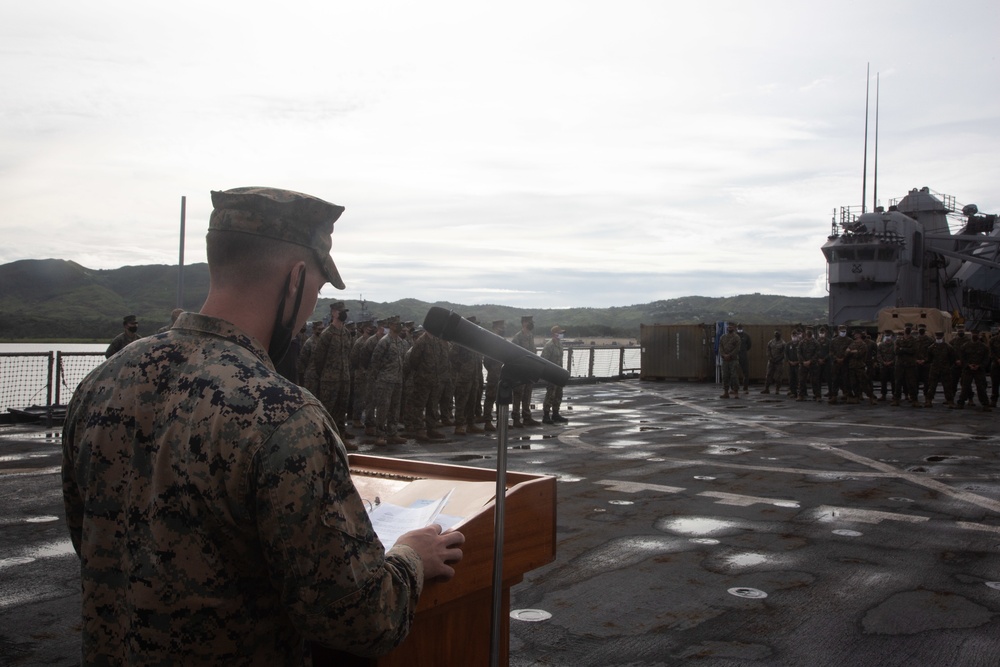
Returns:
<point x="924" y="251"/>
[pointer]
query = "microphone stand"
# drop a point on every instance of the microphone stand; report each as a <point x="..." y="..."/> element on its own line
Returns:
<point x="511" y="375"/>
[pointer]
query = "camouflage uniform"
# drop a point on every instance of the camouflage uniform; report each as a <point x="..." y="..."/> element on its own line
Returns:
<point x="371" y="390"/>
<point x="994" y="346"/>
<point x="425" y="364"/>
<point x="823" y="361"/>
<point x="745" y="344"/>
<point x="331" y="363"/>
<point x="808" y="376"/>
<point x="775" y="364"/>
<point x="359" y="380"/>
<point x="886" y="360"/>
<point x="124" y="338"/>
<point x="464" y="365"/>
<point x="839" y="379"/>
<point x="387" y="371"/>
<point x="521" y="410"/>
<point x="906" y="369"/>
<point x="729" y="353"/>
<point x="974" y="357"/>
<point x="924" y="341"/>
<point x="212" y="507"/>
<point x="857" y="368"/>
<point x="302" y="365"/>
<point x="940" y="360"/>
<point x="492" y="381"/>
<point x="792" y="355"/>
<point x="958" y="342"/>
<point x="553" y="351"/>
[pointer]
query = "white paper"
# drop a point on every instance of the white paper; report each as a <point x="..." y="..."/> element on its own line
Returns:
<point x="391" y="521"/>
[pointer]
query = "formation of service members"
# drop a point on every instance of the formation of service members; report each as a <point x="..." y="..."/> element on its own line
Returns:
<point x="396" y="381"/>
<point x="902" y="364"/>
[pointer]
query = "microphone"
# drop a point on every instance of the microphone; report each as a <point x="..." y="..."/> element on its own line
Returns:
<point x="451" y="326"/>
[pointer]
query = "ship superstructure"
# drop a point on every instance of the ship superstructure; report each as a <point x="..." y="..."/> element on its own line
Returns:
<point x="909" y="256"/>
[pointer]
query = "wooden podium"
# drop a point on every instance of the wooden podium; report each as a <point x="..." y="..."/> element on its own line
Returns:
<point x="452" y="624"/>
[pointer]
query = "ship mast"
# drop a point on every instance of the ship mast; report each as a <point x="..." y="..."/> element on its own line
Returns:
<point x="875" y="175"/>
<point x="864" y="167"/>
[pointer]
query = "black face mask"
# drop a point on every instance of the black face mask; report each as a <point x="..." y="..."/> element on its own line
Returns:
<point x="281" y="333"/>
<point x="531" y="326"/>
<point x="342" y="315"/>
<point x="133" y="327"/>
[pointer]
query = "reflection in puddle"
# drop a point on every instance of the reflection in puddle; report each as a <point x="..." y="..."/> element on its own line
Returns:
<point x="746" y="560"/>
<point x="698" y="525"/>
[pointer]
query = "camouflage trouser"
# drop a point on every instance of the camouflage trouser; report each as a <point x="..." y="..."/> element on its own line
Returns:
<point x="492" y="378"/>
<point x="887" y="376"/>
<point x="774" y="374"/>
<point x="906" y="381"/>
<point x="333" y="395"/>
<point x="860" y="381"/>
<point x="793" y="378"/>
<point x="465" y="400"/>
<point x="387" y="407"/>
<point x="522" y="401"/>
<point x="358" y="382"/>
<point x="446" y="404"/>
<point x="840" y="379"/>
<point x="979" y="377"/>
<point x="553" y="398"/>
<point x="422" y="405"/>
<point x="371" y="399"/>
<point x="808" y="378"/>
<point x="731" y="375"/>
<point x="942" y="376"/>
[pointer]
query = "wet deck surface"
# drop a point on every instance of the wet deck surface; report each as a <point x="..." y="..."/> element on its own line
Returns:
<point x="691" y="530"/>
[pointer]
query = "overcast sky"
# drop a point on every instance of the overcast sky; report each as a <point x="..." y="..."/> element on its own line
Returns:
<point x="534" y="154"/>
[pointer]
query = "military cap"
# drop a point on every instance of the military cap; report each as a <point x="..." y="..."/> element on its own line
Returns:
<point x="129" y="319"/>
<point x="809" y="332"/>
<point x="499" y="324"/>
<point x="908" y="326"/>
<point x="556" y="329"/>
<point x="842" y="327"/>
<point x="408" y="324"/>
<point x="339" y="305"/>
<point x="282" y="215"/>
<point x="960" y="326"/>
<point x="824" y="328"/>
<point x="527" y="318"/>
<point x="939" y="334"/>
<point x="887" y="331"/>
<point x="921" y="326"/>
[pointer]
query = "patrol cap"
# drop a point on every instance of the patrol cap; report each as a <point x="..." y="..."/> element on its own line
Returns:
<point x="499" y="324"/>
<point x="939" y="334"/>
<point x="339" y="305"/>
<point x="921" y="326"/>
<point x="887" y="331"/>
<point x="282" y="215"/>
<point x="908" y="326"/>
<point x="527" y="318"/>
<point x="556" y="329"/>
<point x="809" y="332"/>
<point x="960" y="326"/>
<point x="129" y="319"/>
<point x="842" y="327"/>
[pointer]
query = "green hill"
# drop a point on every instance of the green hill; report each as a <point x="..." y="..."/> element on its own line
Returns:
<point x="52" y="299"/>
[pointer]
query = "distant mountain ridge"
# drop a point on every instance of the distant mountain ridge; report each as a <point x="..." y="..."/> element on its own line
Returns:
<point x="50" y="299"/>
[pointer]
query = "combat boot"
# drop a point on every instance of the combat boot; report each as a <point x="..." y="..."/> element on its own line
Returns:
<point x="446" y="422"/>
<point x="832" y="400"/>
<point x="472" y="428"/>
<point x="895" y="403"/>
<point x="350" y="446"/>
<point x="517" y="423"/>
<point x="872" y="400"/>
<point x="370" y="431"/>
<point x="380" y="442"/>
<point x="436" y="435"/>
<point x="459" y="430"/>
<point x="766" y="390"/>
<point x="420" y="435"/>
<point x="777" y="389"/>
<point x="800" y="398"/>
<point x="558" y="418"/>
<point x="488" y="426"/>
<point x="725" y="395"/>
<point x="928" y="403"/>
<point x="396" y="440"/>
<point x="357" y="424"/>
<point x="530" y="421"/>
<point x="546" y="418"/>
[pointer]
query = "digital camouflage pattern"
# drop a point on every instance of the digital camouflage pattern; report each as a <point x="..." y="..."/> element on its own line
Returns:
<point x="211" y="505"/>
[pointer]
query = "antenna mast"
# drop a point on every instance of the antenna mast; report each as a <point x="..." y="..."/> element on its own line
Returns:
<point x="864" y="176"/>
<point x="875" y="183"/>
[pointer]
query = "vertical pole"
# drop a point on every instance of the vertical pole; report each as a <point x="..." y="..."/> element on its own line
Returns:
<point x="48" y="396"/>
<point x="180" y="261"/>
<point x="864" y="176"/>
<point x="875" y="175"/>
